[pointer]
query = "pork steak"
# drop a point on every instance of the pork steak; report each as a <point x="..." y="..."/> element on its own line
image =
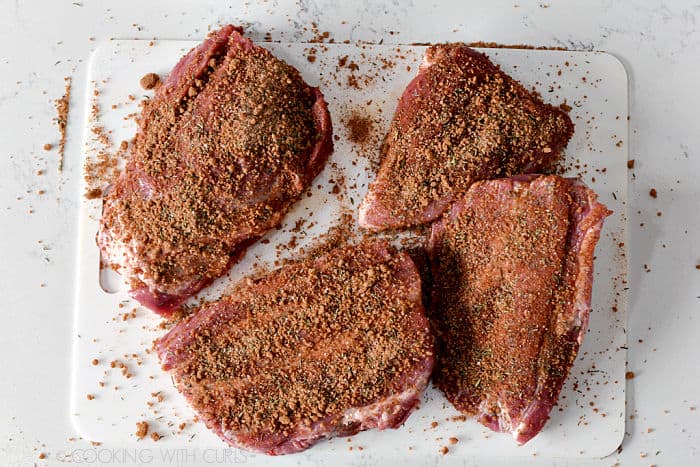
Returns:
<point x="512" y="264"/>
<point x="228" y="143"/>
<point x="460" y="120"/>
<point x="325" y="347"/>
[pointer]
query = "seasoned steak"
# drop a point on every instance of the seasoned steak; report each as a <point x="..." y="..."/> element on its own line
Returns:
<point x="229" y="142"/>
<point x="325" y="347"/>
<point x="460" y="120"/>
<point x="512" y="261"/>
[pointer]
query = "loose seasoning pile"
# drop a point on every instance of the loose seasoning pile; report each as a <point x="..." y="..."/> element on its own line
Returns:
<point x="460" y="120"/>
<point x="303" y="344"/>
<point x="360" y="128"/>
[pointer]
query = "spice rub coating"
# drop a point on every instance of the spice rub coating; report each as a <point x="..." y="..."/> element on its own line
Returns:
<point x="512" y="264"/>
<point x="228" y="143"/>
<point x="325" y="347"/>
<point x="460" y="120"/>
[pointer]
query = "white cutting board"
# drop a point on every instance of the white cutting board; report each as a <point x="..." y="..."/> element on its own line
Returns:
<point x="589" y="421"/>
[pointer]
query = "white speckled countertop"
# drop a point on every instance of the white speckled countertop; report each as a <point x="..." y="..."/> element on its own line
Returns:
<point x="41" y="42"/>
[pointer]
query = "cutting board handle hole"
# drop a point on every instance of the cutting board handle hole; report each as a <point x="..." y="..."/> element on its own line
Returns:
<point x="110" y="281"/>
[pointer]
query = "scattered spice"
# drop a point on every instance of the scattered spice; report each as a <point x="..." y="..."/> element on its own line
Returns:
<point x="62" y="107"/>
<point x="629" y="375"/>
<point x="496" y="45"/>
<point x="155" y="436"/>
<point x="48" y="147"/>
<point x="311" y="57"/>
<point x="630" y="164"/>
<point x="652" y="193"/>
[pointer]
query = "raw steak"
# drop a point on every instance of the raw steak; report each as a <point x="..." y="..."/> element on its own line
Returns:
<point x="460" y="120"/>
<point x="325" y="347"/>
<point x="512" y="262"/>
<point x="228" y="143"/>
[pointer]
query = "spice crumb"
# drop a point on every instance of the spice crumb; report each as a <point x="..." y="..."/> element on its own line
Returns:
<point x="630" y="164"/>
<point x="444" y="450"/>
<point x="652" y="193"/>
<point x="150" y="81"/>
<point x="48" y="147"/>
<point x="453" y="440"/>
<point x="42" y="455"/>
<point x="629" y="375"/>
<point x="155" y="436"/>
<point x="141" y="429"/>
<point x="95" y="361"/>
<point x="90" y="397"/>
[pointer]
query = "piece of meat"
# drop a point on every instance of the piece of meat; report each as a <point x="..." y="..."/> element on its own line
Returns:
<point x="460" y="120"/>
<point x="512" y="264"/>
<point x="227" y="144"/>
<point x="325" y="347"/>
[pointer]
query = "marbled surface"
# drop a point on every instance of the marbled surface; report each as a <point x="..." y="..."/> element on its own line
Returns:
<point x="43" y="41"/>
